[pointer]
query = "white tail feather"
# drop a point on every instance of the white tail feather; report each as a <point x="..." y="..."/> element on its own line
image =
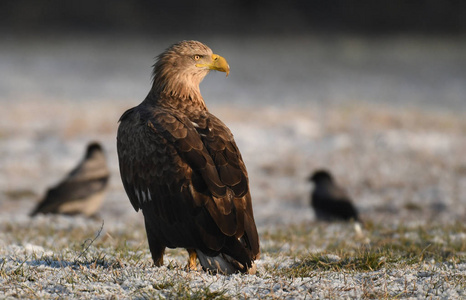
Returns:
<point x="222" y="263"/>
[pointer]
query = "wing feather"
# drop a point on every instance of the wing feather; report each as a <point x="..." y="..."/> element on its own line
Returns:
<point x="194" y="173"/>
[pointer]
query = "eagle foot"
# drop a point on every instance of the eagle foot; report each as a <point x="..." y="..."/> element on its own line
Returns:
<point x="192" y="260"/>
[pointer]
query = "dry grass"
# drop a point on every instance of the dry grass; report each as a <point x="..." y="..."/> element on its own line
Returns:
<point x="399" y="247"/>
<point x="76" y="257"/>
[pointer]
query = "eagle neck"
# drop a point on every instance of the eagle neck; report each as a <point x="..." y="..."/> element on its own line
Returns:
<point x="185" y="103"/>
<point x="176" y="86"/>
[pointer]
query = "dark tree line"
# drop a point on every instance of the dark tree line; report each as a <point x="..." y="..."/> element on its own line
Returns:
<point x="234" y="16"/>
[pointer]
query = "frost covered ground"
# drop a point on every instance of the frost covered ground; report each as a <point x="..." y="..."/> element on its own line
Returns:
<point x="316" y="103"/>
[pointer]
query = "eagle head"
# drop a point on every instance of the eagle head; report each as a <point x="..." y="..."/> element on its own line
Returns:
<point x="184" y="65"/>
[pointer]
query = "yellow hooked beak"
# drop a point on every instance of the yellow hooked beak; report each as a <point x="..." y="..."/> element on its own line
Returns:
<point x="218" y="63"/>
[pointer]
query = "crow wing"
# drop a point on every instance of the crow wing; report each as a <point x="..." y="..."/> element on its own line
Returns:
<point x="87" y="179"/>
<point x="334" y="202"/>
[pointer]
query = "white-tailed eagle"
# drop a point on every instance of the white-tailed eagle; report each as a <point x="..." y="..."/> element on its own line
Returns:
<point x="180" y="165"/>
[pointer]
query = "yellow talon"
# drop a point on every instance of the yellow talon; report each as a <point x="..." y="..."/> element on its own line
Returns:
<point x="192" y="264"/>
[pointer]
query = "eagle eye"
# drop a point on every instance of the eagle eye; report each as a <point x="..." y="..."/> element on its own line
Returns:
<point x="197" y="57"/>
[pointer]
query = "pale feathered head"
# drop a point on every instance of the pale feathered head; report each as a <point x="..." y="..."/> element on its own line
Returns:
<point x="180" y="69"/>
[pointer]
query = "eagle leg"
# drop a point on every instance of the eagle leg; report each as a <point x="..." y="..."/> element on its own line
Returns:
<point x="158" y="261"/>
<point x="157" y="248"/>
<point x="192" y="261"/>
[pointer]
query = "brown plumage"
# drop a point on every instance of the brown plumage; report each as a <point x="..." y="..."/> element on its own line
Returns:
<point x="82" y="191"/>
<point x="180" y="165"/>
<point x="331" y="202"/>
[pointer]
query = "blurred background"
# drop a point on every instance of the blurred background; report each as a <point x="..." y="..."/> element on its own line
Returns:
<point x="374" y="91"/>
<point x="235" y="17"/>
